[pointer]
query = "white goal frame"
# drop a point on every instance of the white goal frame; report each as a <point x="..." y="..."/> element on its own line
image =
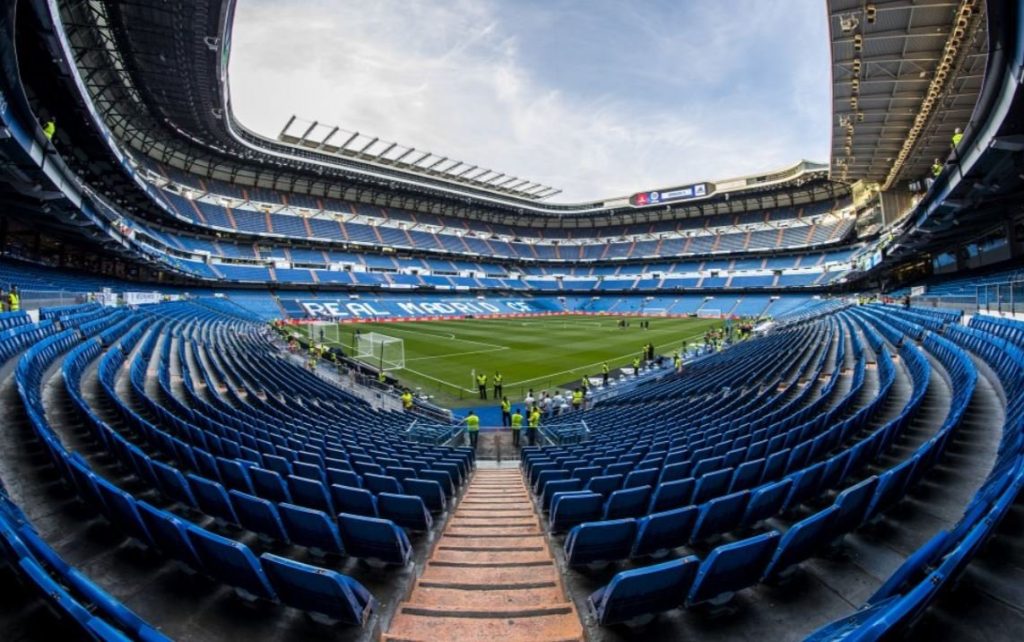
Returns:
<point x="655" y="312"/>
<point x="324" y="332"/>
<point x="709" y="313"/>
<point x="380" y="350"/>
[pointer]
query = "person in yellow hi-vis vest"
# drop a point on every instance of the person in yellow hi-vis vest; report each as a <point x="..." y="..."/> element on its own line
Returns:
<point x="473" y="427"/>
<point x="577" y="399"/>
<point x="481" y="385"/>
<point x="407" y="400"/>
<point x="13" y="301"/>
<point x="517" y="425"/>
<point x="532" y="425"/>
<point x="604" y="372"/>
<point x="498" y="389"/>
<point x="506" y="412"/>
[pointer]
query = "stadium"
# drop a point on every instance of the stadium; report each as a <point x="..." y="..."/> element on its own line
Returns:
<point x="782" y="404"/>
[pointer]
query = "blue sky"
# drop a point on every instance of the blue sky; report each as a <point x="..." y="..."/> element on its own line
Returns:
<point x="600" y="98"/>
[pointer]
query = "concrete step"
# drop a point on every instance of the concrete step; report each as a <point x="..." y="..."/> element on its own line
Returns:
<point x="474" y="596"/>
<point x="551" y="623"/>
<point x="484" y="575"/>
<point x="514" y="541"/>
<point x="490" y="557"/>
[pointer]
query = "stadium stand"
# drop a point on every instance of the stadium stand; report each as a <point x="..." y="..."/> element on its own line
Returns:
<point x="842" y="458"/>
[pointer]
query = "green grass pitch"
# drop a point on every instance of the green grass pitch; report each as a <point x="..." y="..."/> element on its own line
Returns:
<point x="541" y="353"/>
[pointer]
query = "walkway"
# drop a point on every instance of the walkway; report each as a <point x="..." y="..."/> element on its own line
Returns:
<point x="491" y="576"/>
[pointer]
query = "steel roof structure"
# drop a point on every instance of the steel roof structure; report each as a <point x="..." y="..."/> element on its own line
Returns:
<point x="905" y="74"/>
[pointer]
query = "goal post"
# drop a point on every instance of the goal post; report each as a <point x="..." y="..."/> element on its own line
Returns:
<point x="709" y="313"/>
<point x="381" y="350"/>
<point x="324" y="332"/>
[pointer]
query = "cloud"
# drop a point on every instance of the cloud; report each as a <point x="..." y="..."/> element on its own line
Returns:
<point x="600" y="98"/>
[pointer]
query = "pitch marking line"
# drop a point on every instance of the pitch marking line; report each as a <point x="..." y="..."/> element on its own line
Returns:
<point x="592" y="365"/>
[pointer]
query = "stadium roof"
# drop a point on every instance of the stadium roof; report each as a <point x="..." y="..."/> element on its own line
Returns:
<point x="156" y="74"/>
<point x="372" y="149"/>
<point x="905" y="74"/>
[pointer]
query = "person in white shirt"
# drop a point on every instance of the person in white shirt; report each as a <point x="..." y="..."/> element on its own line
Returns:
<point x="557" y="402"/>
<point x="545" y="404"/>
<point x="529" y="398"/>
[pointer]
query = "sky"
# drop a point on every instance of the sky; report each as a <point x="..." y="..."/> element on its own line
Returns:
<point x="600" y="98"/>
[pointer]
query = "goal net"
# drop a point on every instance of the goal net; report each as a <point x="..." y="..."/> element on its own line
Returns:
<point x="656" y="312"/>
<point x="325" y="332"/>
<point x="381" y="351"/>
<point x="709" y="313"/>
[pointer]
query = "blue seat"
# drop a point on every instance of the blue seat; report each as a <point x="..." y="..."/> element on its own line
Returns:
<point x="173" y="484"/>
<point x="891" y="486"/>
<point x="604" y="484"/>
<point x="634" y="596"/>
<point x="767" y="500"/>
<point x="604" y="541"/>
<point x="558" y="486"/>
<point x="570" y="509"/>
<point x="800" y="542"/>
<point x="619" y="468"/>
<point x="378" y="484"/>
<point x="732" y="567"/>
<point x="401" y="473"/>
<point x="56" y="597"/>
<point x="747" y="475"/>
<point x="408" y="511"/>
<point x="344" y="478"/>
<point x="428" y="490"/>
<point x="258" y="515"/>
<point x="628" y="502"/>
<point x="645" y="477"/>
<point x="586" y="473"/>
<point x="672" y="494"/>
<point x="720" y="515"/>
<point x="309" y="471"/>
<point x="357" y="501"/>
<point x="169" y="534"/>
<point x="806" y="484"/>
<point x="230" y="562"/>
<point x="317" y="590"/>
<point x="121" y="510"/>
<point x="661" y="532"/>
<point x="672" y="472"/>
<point x="312" y="528"/>
<point x="374" y="539"/>
<point x="442" y="477"/>
<point x="853" y="504"/>
<point x="310" y="493"/>
<point x="546" y="476"/>
<point x="711" y="485"/>
<point x="269" y="485"/>
<point x="212" y="498"/>
<point x="234" y="474"/>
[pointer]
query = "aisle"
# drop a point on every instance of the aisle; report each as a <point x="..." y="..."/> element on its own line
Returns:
<point x="491" y="576"/>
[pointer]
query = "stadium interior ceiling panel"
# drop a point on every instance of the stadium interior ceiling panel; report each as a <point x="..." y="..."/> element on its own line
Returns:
<point x="905" y="74"/>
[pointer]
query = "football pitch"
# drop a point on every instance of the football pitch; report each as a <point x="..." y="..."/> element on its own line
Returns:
<point x="531" y="353"/>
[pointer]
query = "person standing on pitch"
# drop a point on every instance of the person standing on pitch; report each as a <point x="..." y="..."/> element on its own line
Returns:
<point x="481" y="385"/>
<point x="604" y="373"/>
<point x="473" y="428"/>
<point x="517" y="425"/>
<point x="497" y="386"/>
